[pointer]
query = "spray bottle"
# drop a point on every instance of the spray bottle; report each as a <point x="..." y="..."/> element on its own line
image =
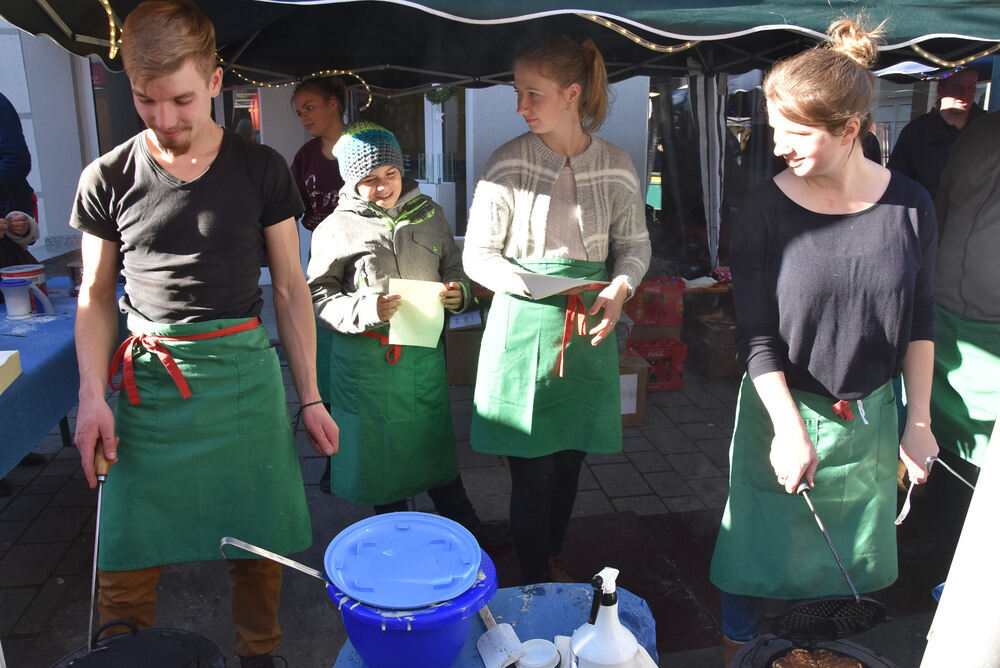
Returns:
<point x="603" y="642"/>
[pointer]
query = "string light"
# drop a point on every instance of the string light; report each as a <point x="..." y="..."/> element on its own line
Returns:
<point x="953" y="63"/>
<point x="284" y="84"/>
<point x="624" y="32"/>
<point x="113" y="34"/>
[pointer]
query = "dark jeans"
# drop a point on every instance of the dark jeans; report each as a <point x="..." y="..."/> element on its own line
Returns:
<point x="449" y="499"/>
<point x="543" y="490"/>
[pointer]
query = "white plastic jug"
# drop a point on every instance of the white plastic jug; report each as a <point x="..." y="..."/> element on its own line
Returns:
<point x="17" y="296"/>
<point x="603" y="642"/>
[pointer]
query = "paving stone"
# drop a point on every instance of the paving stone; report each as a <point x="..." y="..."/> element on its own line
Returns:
<point x="492" y="507"/>
<point x="46" y="484"/>
<point x="312" y="469"/>
<point x="13" y="604"/>
<point x="51" y="598"/>
<point x="22" y="476"/>
<point x="68" y="453"/>
<point x="713" y="491"/>
<point x="684" y="414"/>
<point x="640" y="505"/>
<point x="693" y="465"/>
<point x="10" y="532"/>
<point x="57" y="525"/>
<point x="25" y="507"/>
<point x="78" y="559"/>
<point x="587" y="479"/>
<point x="667" y="484"/>
<point x="63" y="467"/>
<point x="654" y="417"/>
<point x="620" y="479"/>
<point x="670" y="440"/>
<point x="606" y="458"/>
<point x="631" y="432"/>
<point x="484" y="481"/>
<point x="636" y="444"/>
<point x="462" y="426"/>
<point x="683" y="504"/>
<point x="591" y="503"/>
<point x="51" y="444"/>
<point x="75" y="493"/>
<point x="667" y="399"/>
<point x="649" y="462"/>
<point x="717" y="451"/>
<point x="469" y="458"/>
<point x="697" y="431"/>
<point x="724" y="418"/>
<point x="26" y="565"/>
<point x="703" y="399"/>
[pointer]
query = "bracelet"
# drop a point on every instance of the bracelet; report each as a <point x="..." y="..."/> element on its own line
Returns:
<point x="311" y="403"/>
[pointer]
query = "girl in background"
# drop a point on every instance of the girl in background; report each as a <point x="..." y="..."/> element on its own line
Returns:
<point x="553" y="201"/>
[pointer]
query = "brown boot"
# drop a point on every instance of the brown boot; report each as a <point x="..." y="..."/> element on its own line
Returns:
<point x="729" y="650"/>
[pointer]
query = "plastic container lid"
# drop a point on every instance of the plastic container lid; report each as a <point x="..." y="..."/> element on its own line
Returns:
<point x="403" y="560"/>
<point x="539" y="653"/>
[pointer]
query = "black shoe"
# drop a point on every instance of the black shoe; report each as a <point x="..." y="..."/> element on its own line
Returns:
<point x="324" y="481"/>
<point x="491" y="534"/>
<point x="262" y="661"/>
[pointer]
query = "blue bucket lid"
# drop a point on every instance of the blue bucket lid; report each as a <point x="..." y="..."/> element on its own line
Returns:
<point x="403" y="560"/>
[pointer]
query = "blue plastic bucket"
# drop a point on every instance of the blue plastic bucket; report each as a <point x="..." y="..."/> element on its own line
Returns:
<point x="430" y="637"/>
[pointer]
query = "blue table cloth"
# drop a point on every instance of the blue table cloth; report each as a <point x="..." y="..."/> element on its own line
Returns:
<point x="47" y="388"/>
<point x="542" y="611"/>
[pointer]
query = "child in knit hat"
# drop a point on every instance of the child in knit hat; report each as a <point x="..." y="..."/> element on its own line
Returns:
<point x="391" y="402"/>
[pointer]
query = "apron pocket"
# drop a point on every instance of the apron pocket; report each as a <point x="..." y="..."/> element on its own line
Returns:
<point x="259" y="408"/>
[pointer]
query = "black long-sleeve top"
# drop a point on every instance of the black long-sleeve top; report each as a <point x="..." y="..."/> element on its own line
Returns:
<point x="833" y="300"/>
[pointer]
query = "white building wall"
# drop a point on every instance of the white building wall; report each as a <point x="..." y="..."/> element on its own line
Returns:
<point x="491" y="120"/>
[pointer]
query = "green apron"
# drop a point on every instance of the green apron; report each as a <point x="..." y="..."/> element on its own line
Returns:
<point x="396" y="434"/>
<point x="220" y="463"/>
<point x="522" y="407"/>
<point x="769" y="544"/>
<point x="965" y="397"/>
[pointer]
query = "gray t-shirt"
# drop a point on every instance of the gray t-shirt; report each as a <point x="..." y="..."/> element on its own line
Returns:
<point x="191" y="250"/>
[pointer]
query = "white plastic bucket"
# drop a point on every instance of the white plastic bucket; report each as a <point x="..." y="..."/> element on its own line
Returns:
<point x="33" y="273"/>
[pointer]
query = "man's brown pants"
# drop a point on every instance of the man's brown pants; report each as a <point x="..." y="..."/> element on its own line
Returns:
<point x="255" y="588"/>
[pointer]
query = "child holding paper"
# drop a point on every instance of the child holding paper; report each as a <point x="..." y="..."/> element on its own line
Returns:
<point x="391" y="402"/>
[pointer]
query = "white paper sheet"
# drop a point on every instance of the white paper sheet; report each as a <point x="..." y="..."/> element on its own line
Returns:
<point x="541" y="286"/>
<point x="420" y="317"/>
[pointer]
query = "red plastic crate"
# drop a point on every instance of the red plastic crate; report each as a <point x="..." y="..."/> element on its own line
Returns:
<point x="658" y="302"/>
<point x="666" y="360"/>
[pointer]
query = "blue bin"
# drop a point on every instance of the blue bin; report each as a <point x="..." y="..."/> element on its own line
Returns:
<point x="430" y="637"/>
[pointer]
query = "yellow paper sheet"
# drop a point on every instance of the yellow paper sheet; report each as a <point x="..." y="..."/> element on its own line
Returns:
<point x="420" y="317"/>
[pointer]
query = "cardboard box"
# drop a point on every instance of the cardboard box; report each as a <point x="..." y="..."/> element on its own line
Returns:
<point x="633" y="375"/>
<point x="462" y="339"/>
<point x="10" y="368"/>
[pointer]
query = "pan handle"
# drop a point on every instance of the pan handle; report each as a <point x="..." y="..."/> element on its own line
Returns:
<point x="261" y="552"/>
<point x="803" y="490"/>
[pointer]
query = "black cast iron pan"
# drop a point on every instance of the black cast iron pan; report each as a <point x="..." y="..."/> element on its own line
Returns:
<point x="830" y="617"/>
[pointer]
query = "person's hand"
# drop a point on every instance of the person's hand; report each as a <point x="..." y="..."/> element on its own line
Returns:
<point x="451" y="296"/>
<point x="918" y="443"/>
<point x="323" y="432"/>
<point x="610" y="299"/>
<point x="793" y="458"/>
<point x="94" y="420"/>
<point x="388" y="305"/>
<point x="19" y="223"/>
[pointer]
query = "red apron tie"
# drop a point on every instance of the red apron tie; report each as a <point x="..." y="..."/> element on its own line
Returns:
<point x="576" y="314"/>
<point x="151" y="342"/>
<point x="394" y="352"/>
<point x="843" y="409"/>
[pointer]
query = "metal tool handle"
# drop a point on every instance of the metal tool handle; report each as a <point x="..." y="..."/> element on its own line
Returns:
<point x="101" y="469"/>
<point x="261" y="552"/>
<point x="803" y="490"/>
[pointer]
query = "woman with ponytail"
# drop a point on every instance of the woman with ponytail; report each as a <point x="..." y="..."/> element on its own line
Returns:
<point x="552" y="201"/>
<point x="832" y="268"/>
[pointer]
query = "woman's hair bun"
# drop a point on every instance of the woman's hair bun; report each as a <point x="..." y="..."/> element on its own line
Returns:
<point x="849" y="38"/>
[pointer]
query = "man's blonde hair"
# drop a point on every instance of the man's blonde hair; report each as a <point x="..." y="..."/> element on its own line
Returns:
<point x="159" y="36"/>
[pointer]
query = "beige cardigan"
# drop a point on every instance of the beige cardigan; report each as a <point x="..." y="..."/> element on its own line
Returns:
<point x="511" y="204"/>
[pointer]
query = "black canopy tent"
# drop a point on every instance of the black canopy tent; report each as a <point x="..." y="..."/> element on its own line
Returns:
<point x="405" y="45"/>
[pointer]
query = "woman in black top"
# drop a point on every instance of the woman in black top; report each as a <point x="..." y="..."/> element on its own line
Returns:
<point x="832" y="269"/>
